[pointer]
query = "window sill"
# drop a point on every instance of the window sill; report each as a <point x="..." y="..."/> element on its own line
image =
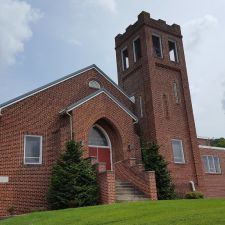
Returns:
<point x="179" y="163"/>
<point x="32" y="164"/>
<point x="210" y="173"/>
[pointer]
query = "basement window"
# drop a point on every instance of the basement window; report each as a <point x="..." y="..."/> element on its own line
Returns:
<point x="157" y="46"/>
<point x="125" y="59"/>
<point x="178" y="152"/>
<point x="137" y="49"/>
<point x="211" y="164"/>
<point x="32" y="149"/>
<point x="173" y="55"/>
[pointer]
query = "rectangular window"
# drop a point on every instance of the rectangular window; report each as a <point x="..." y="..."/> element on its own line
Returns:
<point x="32" y="149"/>
<point x="157" y="46"/>
<point x="211" y="164"/>
<point x="137" y="49"/>
<point x="125" y="59"/>
<point x="178" y="152"/>
<point x="173" y="51"/>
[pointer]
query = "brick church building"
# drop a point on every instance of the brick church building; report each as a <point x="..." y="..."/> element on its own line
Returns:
<point x="151" y="100"/>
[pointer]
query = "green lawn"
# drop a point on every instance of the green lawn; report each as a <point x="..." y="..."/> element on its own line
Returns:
<point x="178" y="212"/>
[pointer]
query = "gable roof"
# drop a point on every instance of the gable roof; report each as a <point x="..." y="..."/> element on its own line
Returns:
<point x="95" y="94"/>
<point x="42" y="88"/>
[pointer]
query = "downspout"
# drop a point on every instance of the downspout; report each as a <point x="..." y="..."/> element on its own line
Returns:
<point x="71" y="125"/>
<point x="192" y="185"/>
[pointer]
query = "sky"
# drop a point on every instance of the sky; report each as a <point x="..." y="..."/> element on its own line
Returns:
<point x="41" y="41"/>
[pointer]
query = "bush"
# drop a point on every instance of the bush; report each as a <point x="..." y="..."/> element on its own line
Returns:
<point x="73" y="182"/>
<point x="194" y="195"/>
<point x="153" y="160"/>
<point x="11" y="210"/>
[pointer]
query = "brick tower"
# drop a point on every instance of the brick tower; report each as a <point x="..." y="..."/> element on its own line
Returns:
<point x="151" y="67"/>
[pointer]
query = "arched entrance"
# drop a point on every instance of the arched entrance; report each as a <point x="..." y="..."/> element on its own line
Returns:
<point x="99" y="146"/>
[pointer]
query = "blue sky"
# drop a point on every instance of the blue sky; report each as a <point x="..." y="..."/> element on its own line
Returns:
<point x="43" y="40"/>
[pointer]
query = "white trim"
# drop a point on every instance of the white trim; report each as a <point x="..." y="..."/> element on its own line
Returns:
<point x="182" y="150"/>
<point x="122" y="50"/>
<point x="24" y="150"/>
<point x="108" y="141"/>
<point x="211" y="147"/>
<point x="60" y="81"/>
<point x="43" y="89"/>
<point x="4" y="179"/>
<point x="94" y="146"/>
<point x="205" y="138"/>
<point x="102" y="92"/>
<point x="160" y="43"/>
<point x="134" y="52"/>
<point x="132" y="99"/>
<point x="176" y="51"/>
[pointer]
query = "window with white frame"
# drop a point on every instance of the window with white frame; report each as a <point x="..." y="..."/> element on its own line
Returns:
<point x="125" y="58"/>
<point x="157" y="46"/>
<point x="32" y="149"/>
<point x="173" y="55"/>
<point x="137" y="49"/>
<point x="178" y="153"/>
<point x="211" y="164"/>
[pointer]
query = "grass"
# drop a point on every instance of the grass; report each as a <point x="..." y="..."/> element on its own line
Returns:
<point x="177" y="212"/>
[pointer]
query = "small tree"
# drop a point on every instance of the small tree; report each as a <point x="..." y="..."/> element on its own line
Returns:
<point x="218" y="142"/>
<point x="156" y="162"/>
<point x="73" y="182"/>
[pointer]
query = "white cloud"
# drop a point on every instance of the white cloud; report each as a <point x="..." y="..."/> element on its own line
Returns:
<point x="196" y="29"/>
<point x="15" y="19"/>
<point x="108" y="5"/>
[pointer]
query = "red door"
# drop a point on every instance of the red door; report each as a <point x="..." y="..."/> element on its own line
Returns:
<point x="102" y="154"/>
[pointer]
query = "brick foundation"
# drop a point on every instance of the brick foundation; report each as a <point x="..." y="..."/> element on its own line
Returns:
<point x="106" y="181"/>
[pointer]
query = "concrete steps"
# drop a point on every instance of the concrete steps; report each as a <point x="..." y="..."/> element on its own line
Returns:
<point x="126" y="192"/>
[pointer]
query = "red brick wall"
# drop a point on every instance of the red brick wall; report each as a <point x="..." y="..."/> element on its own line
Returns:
<point x="151" y="78"/>
<point x="117" y="123"/>
<point x="39" y="114"/>
<point x="204" y="141"/>
<point x="215" y="182"/>
<point x="106" y="181"/>
<point x="127" y="170"/>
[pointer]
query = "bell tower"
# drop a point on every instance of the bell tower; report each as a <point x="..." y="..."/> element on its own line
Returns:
<point x="151" y="67"/>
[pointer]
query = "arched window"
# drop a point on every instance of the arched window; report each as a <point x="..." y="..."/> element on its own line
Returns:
<point x="97" y="137"/>
<point x="94" y="84"/>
